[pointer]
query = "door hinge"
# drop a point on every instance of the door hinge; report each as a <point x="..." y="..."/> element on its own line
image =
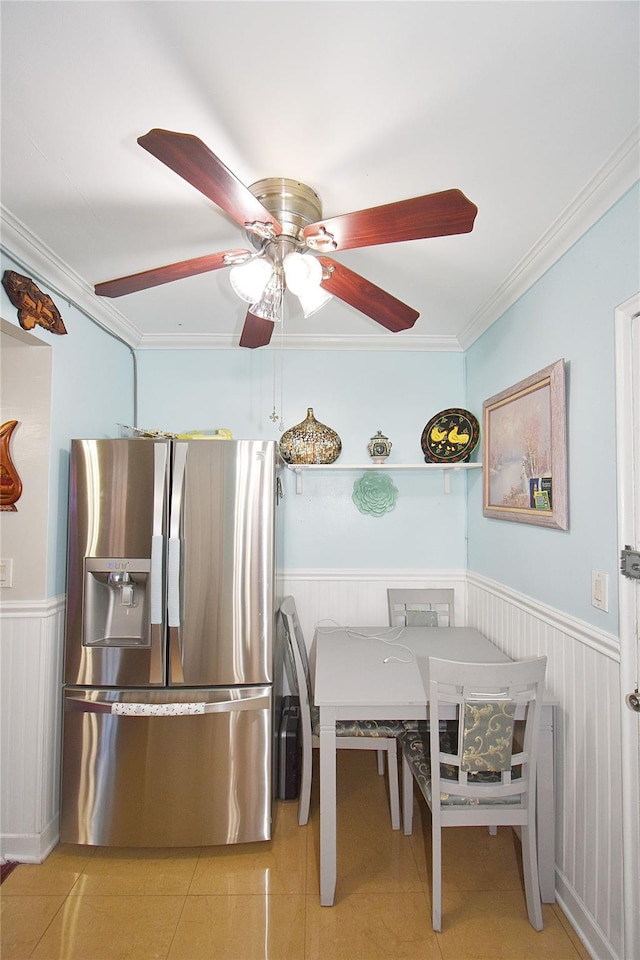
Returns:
<point x="630" y="563"/>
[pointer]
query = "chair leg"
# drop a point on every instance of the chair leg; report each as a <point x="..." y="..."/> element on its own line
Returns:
<point x="493" y="830"/>
<point x="380" y="756"/>
<point x="531" y="880"/>
<point x="407" y="798"/>
<point x="304" y="801"/>
<point x="394" y="795"/>
<point x="436" y="873"/>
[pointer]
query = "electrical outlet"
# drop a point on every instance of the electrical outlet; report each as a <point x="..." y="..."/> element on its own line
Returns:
<point x="600" y="590"/>
<point x="6" y="573"/>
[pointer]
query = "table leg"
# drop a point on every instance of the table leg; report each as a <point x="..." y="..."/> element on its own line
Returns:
<point x="546" y="808"/>
<point x="328" y="860"/>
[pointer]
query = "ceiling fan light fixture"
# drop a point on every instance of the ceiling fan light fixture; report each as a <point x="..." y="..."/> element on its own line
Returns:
<point x="269" y="305"/>
<point x="250" y="279"/>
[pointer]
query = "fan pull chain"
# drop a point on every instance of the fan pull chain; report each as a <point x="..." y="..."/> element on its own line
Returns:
<point x="273" y="416"/>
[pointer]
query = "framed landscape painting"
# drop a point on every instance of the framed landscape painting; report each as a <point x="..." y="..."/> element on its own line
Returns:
<point x="525" y="451"/>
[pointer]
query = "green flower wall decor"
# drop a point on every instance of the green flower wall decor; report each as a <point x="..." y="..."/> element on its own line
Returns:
<point x="375" y="494"/>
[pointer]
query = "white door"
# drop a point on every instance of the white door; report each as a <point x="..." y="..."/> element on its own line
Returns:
<point x="627" y="339"/>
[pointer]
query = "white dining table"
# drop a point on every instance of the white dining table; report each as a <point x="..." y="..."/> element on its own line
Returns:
<point x="382" y="673"/>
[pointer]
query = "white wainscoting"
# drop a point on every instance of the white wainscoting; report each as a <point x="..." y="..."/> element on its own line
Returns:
<point x="31" y="683"/>
<point x="359" y="597"/>
<point x="583" y="673"/>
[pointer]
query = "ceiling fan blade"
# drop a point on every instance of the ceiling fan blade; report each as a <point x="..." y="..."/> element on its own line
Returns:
<point x="256" y="331"/>
<point x="173" y="271"/>
<point x="366" y="297"/>
<point x="191" y="159"/>
<point x="435" y="215"/>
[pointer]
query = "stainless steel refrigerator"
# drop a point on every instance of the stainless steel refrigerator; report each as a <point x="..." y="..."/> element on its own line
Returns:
<point x="169" y="705"/>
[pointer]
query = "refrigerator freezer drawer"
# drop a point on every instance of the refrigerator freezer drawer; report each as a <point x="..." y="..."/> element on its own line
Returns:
<point x="145" y="768"/>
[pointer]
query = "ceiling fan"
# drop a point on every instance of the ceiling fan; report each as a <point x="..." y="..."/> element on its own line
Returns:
<point x="282" y="220"/>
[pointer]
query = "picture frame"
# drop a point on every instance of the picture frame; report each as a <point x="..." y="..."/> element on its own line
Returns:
<point x="524" y="442"/>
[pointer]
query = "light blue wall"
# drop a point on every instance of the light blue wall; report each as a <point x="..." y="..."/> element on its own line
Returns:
<point x="355" y="393"/>
<point x="92" y="391"/>
<point x="567" y="314"/>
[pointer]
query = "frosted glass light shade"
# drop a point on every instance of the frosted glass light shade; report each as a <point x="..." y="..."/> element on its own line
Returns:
<point x="313" y="300"/>
<point x="250" y="279"/>
<point x="303" y="272"/>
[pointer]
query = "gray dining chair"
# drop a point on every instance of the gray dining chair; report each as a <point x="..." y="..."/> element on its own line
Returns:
<point x="420" y="607"/>
<point x="379" y="735"/>
<point x="486" y="776"/>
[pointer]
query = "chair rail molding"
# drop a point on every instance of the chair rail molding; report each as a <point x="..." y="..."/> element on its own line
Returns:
<point x="599" y="640"/>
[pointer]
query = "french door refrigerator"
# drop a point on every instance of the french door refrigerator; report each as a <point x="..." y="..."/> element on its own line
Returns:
<point x="168" y="728"/>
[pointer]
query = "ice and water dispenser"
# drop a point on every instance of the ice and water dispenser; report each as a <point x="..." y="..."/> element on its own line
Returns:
<point x="116" y="602"/>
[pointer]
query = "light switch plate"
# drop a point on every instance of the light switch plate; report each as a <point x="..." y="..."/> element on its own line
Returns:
<point x="600" y="590"/>
<point x="6" y="573"/>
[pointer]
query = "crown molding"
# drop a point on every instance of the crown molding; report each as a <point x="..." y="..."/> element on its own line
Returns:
<point x="612" y="181"/>
<point x="29" y="253"/>
<point x="213" y="341"/>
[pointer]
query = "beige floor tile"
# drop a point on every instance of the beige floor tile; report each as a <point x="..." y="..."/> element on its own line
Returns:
<point x="276" y="866"/>
<point x="240" y="928"/>
<point x="111" y="928"/>
<point x="372" y="858"/>
<point x="371" y="927"/>
<point x="472" y="859"/>
<point x="56" y="876"/>
<point x="24" y="921"/>
<point x="494" y="926"/>
<point x="138" y="872"/>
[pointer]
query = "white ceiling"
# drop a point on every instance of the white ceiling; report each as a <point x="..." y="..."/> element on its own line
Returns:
<point x="530" y="108"/>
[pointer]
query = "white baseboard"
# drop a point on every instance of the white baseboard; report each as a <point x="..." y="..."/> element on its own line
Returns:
<point x="582" y="922"/>
<point x="30" y="848"/>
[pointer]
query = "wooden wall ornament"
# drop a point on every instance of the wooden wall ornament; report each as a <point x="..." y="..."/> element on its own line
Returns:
<point x="34" y="306"/>
<point x="10" y="482"/>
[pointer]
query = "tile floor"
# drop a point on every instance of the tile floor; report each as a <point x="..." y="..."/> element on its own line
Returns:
<point x="260" y="901"/>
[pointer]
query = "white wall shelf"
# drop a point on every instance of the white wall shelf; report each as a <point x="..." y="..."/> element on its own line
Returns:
<point x="446" y="468"/>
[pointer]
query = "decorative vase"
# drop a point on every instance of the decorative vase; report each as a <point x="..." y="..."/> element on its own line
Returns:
<point x="379" y="447"/>
<point x="10" y="482"/>
<point x="310" y="442"/>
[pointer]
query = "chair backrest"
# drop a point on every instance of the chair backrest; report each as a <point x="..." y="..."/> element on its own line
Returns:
<point x="420" y="607"/>
<point x="495" y="753"/>
<point x="297" y="666"/>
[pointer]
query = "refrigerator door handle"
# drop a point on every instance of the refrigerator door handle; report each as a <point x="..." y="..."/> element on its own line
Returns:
<point x="260" y="700"/>
<point x="176" y="674"/>
<point x="177" y="489"/>
<point x="160" y="454"/>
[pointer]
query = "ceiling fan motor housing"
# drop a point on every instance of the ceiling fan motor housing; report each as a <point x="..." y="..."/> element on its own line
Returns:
<point x="294" y="205"/>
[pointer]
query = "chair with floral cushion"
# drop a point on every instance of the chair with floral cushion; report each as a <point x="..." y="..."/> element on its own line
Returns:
<point x="482" y="777"/>
<point x="420" y="607"/>
<point x="377" y="735"/>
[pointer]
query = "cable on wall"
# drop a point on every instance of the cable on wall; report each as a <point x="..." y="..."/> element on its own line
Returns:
<point x="72" y="303"/>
